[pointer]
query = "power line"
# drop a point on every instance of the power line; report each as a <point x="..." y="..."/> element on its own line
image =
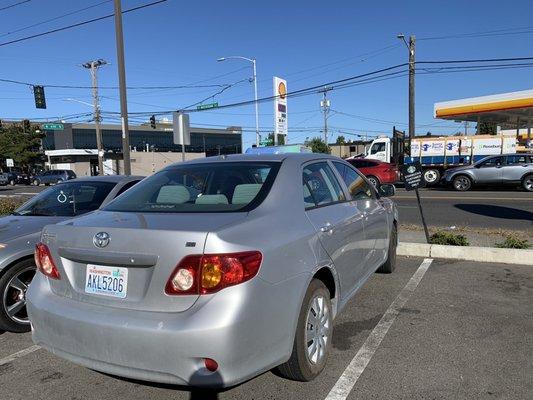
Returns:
<point x="64" y="28"/>
<point x="14" y="5"/>
<point x="495" y="32"/>
<point x="54" y="19"/>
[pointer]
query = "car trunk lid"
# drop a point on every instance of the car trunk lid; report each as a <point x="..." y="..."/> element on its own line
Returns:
<point x="142" y="248"/>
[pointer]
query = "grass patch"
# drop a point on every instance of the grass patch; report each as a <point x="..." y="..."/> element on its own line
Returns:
<point x="8" y="205"/>
<point x="448" y="238"/>
<point x="513" y="242"/>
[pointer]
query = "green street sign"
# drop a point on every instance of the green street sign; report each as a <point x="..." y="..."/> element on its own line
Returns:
<point x="52" y="127"/>
<point x="266" y="142"/>
<point x="207" y="106"/>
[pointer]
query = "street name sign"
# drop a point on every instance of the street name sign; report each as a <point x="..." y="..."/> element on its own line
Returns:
<point x="53" y="127"/>
<point x="207" y="106"/>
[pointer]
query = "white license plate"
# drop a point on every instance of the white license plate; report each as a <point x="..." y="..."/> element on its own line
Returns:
<point x="108" y="281"/>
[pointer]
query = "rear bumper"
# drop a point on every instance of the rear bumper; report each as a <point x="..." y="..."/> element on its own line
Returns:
<point x="167" y="347"/>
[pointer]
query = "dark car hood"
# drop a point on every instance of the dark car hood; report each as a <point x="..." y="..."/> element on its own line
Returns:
<point x="14" y="226"/>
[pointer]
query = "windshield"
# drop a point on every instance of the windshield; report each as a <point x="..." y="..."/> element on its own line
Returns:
<point x="67" y="199"/>
<point x="213" y="187"/>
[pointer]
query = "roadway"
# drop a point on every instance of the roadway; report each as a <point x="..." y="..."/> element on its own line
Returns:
<point x="508" y="209"/>
<point x="430" y="330"/>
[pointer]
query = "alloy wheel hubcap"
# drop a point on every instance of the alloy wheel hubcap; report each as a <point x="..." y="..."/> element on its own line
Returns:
<point x="461" y="183"/>
<point x="14" y="298"/>
<point x="529" y="184"/>
<point x="373" y="181"/>
<point x="317" y="329"/>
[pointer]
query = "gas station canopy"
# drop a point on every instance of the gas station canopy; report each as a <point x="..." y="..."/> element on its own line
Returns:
<point x="507" y="110"/>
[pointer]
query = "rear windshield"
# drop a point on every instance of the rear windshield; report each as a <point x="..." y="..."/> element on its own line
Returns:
<point x="210" y="187"/>
<point x="67" y="199"/>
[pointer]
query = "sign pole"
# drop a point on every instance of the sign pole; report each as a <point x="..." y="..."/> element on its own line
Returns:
<point x="422" y="215"/>
<point x="413" y="179"/>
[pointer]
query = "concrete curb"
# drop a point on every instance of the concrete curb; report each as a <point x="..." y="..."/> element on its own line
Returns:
<point x="468" y="253"/>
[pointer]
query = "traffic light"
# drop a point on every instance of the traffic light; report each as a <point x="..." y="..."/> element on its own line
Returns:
<point x="152" y="121"/>
<point x="40" y="100"/>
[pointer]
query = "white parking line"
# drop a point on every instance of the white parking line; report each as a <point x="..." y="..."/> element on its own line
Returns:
<point x="351" y="374"/>
<point x="19" y="354"/>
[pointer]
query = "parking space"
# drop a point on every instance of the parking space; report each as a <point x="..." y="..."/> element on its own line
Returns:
<point x="464" y="331"/>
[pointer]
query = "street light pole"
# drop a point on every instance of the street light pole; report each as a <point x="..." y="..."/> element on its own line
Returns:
<point x="254" y="64"/>
<point x="122" y="86"/>
<point x="93" y="67"/>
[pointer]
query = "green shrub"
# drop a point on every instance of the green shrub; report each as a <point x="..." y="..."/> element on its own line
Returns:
<point x="8" y="205"/>
<point x="448" y="238"/>
<point x="513" y="242"/>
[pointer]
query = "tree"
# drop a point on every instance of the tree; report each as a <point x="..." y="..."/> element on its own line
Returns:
<point x="281" y="139"/>
<point x="340" y="140"/>
<point x="487" y="128"/>
<point x="317" y="145"/>
<point x="20" y="143"/>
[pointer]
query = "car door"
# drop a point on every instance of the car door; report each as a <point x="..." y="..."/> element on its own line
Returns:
<point x="375" y="219"/>
<point x="514" y="168"/>
<point x="333" y="218"/>
<point x="489" y="171"/>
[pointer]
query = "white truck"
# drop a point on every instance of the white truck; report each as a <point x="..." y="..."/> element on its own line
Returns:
<point x="436" y="154"/>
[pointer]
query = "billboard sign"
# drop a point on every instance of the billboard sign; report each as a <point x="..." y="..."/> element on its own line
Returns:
<point x="280" y="107"/>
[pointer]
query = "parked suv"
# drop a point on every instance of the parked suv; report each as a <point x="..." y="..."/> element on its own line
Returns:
<point x="3" y="180"/>
<point x="17" y="177"/>
<point x="53" y="176"/>
<point x="507" y="169"/>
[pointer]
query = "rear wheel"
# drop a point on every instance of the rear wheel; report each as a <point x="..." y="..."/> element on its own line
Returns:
<point x="36" y="182"/>
<point x="373" y="180"/>
<point x="12" y="182"/>
<point x="312" y="341"/>
<point x="13" y="286"/>
<point x="432" y="176"/>
<point x="390" y="264"/>
<point x="527" y="183"/>
<point x="462" y="183"/>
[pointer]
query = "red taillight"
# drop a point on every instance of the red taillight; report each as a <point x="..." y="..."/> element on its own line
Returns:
<point x="45" y="262"/>
<point x="210" y="364"/>
<point x="210" y="273"/>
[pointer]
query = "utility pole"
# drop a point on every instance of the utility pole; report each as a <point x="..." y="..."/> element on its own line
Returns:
<point x="93" y="67"/>
<point x="325" y="103"/>
<point x="411" y="86"/>
<point x="122" y="86"/>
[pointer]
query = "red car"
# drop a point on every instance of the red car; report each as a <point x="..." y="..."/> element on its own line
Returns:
<point x="377" y="172"/>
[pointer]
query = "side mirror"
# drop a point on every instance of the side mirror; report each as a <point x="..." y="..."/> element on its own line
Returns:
<point x="387" y="190"/>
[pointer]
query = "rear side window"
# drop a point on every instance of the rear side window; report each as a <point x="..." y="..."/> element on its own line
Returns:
<point x="359" y="189"/>
<point x="320" y="187"/>
<point x="126" y="187"/>
<point x="202" y="187"/>
<point x="517" y="159"/>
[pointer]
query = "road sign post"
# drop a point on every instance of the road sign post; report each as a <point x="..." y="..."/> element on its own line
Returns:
<point x="413" y="179"/>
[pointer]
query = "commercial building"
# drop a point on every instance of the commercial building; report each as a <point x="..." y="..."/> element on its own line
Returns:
<point x="74" y="147"/>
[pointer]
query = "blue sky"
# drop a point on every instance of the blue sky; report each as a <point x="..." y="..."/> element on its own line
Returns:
<point x="307" y="42"/>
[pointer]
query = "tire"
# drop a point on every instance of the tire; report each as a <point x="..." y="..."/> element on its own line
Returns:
<point x="374" y="181"/>
<point x="527" y="183"/>
<point x="462" y="183"/>
<point x="12" y="182"/>
<point x="13" y="286"/>
<point x="302" y="366"/>
<point x="390" y="264"/>
<point x="36" y="182"/>
<point x="432" y="176"/>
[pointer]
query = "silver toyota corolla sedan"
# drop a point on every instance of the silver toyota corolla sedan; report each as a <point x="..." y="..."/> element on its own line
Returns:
<point x="212" y="271"/>
<point x="20" y="231"/>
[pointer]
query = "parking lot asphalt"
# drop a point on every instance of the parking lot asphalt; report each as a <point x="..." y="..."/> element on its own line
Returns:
<point x="462" y="330"/>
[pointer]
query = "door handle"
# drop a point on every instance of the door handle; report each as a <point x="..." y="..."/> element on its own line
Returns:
<point x="327" y="228"/>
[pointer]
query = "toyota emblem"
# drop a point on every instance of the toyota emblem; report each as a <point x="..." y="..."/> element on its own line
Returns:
<point x="101" y="239"/>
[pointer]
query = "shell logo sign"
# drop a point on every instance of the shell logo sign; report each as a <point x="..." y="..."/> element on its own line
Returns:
<point x="282" y="90"/>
